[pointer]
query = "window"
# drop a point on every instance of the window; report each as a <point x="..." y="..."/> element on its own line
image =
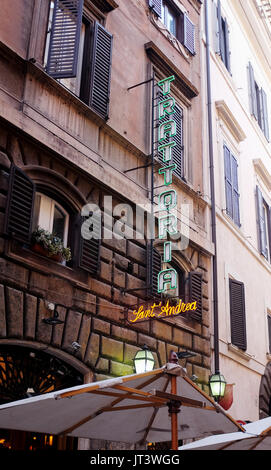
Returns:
<point x="264" y="225"/>
<point x="177" y="293"/>
<point x="169" y="18"/>
<point x="238" y="314"/>
<point x="231" y="186"/>
<point x="258" y="102"/>
<point x="50" y="216"/>
<point x="78" y="53"/>
<point x="176" y="21"/>
<point x="222" y="45"/>
<point x="27" y="208"/>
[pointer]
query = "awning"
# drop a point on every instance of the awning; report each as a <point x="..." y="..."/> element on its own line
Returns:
<point x="126" y="409"/>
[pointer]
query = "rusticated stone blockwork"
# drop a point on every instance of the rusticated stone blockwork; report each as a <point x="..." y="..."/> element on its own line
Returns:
<point x="90" y="307"/>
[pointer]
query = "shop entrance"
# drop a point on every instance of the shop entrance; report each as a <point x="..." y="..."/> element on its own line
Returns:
<point x="24" y="373"/>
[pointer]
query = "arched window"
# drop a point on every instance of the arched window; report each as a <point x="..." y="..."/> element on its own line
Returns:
<point x="179" y="292"/>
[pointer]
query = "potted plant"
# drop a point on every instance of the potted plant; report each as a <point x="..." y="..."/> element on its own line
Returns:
<point x="47" y="244"/>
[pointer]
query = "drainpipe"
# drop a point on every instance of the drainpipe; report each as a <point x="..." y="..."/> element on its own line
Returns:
<point x="212" y="188"/>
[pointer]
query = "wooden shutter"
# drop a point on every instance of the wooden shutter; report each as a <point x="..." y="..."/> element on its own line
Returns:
<point x="228" y="181"/>
<point x="269" y="331"/>
<point x="227" y="47"/>
<point x="89" y="250"/>
<point x="18" y="222"/>
<point x="235" y="191"/>
<point x="153" y="271"/>
<point x="262" y="229"/>
<point x="216" y="33"/>
<point x="156" y="6"/>
<point x="101" y="70"/>
<point x="252" y="92"/>
<point x="265" y="123"/>
<point x="65" y="38"/>
<point x="195" y="293"/>
<point x="238" y="314"/>
<point x="189" y="34"/>
<point x="220" y="29"/>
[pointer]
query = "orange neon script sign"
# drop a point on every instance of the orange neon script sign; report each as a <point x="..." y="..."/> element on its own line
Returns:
<point x="161" y="311"/>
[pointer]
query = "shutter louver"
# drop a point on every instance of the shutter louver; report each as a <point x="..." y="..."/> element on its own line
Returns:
<point x="89" y="249"/>
<point x="189" y="34"/>
<point x="177" y="151"/>
<point x="195" y="294"/>
<point x="65" y="38"/>
<point x="153" y="271"/>
<point x="215" y="29"/>
<point x="20" y="205"/>
<point x="220" y="30"/>
<point x="261" y="223"/>
<point x="227" y="46"/>
<point x="156" y="6"/>
<point x="238" y="316"/>
<point x="265" y="123"/>
<point x="252" y="92"/>
<point x="269" y="331"/>
<point x="228" y="181"/>
<point x="101" y="71"/>
<point x="235" y="189"/>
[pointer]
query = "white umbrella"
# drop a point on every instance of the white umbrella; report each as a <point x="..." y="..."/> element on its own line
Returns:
<point x="257" y="436"/>
<point x="131" y="409"/>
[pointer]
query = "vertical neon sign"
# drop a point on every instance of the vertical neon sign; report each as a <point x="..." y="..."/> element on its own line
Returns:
<point x="168" y="199"/>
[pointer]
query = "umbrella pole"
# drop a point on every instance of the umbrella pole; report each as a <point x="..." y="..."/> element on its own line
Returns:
<point x="174" y="409"/>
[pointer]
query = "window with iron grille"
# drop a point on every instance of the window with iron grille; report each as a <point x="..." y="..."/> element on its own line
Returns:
<point x="78" y="53"/>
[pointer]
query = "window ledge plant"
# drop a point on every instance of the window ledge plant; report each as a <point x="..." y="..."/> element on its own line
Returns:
<point x="47" y="244"/>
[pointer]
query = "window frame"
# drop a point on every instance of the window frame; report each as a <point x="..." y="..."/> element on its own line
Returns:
<point x="49" y="201"/>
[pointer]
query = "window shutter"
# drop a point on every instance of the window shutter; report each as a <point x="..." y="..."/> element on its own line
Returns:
<point x="189" y="34"/>
<point x="18" y="222"/>
<point x="195" y="294"/>
<point x="252" y="92"/>
<point x="236" y="195"/>
<point x="269" y="331"/>
<point x="265" y="123"/>
<point x="156" y="6"/>
<point x="89" y="250"/>
<point x="227" y="45"/>
<point x="153" y="271"/>
<point x="220" y="31"/>
<point x="228" y="181"/>
<point x="238" y="315"/>
<point x="65" y="38"/>
<point x="216" y="40"/>
<point x="261" y="223"/>
<point x="101" y="70"/>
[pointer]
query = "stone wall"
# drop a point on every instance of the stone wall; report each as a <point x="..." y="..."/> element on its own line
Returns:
<point x="91" y="307"/>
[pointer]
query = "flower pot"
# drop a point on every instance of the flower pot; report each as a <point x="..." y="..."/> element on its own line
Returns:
<point x="41" y="250"/>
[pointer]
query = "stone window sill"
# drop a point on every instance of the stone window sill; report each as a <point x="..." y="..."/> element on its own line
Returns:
<point x="243" y="354"/>
<point x="45" y="265"/>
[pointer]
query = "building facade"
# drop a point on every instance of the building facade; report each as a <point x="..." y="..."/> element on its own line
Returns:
<point x="75" y="135"/>
<point x="239" y="40"/>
